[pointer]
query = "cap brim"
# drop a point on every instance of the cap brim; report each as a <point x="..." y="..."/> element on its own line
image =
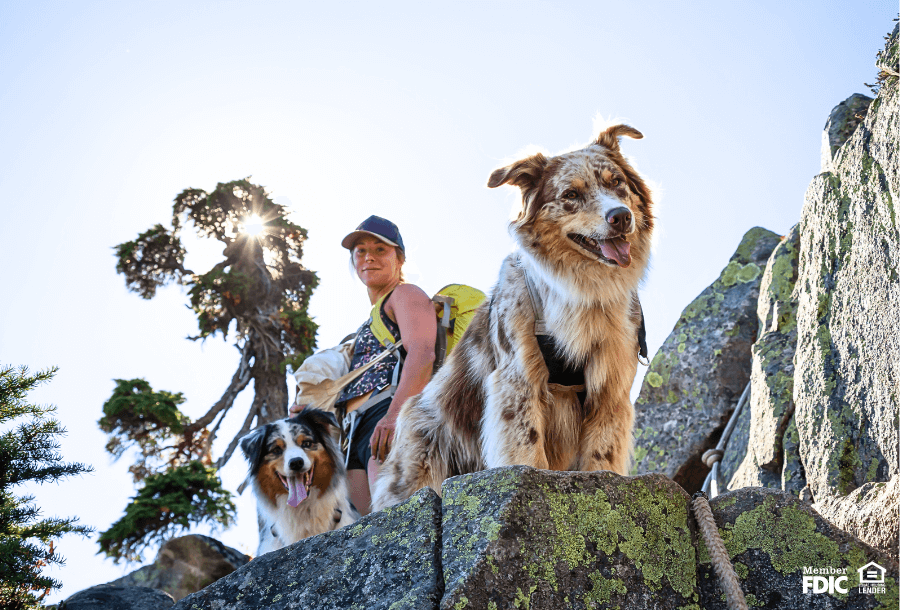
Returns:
<point x="348" y="241"/>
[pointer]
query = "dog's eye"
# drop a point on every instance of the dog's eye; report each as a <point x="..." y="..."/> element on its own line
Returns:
<point x="306" y="444"/>
<point x="570" y="194"/>
<point x="614" y="182"/>
<point x="276" y="450"/>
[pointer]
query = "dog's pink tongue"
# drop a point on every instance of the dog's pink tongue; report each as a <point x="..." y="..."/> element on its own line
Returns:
<point x="618" y="250"/>
<point x="296" y="491"/>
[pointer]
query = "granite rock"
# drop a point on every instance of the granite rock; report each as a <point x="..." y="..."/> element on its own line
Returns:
<point x="185" y="565"/>
<point x="847" y="375"/>
<point x="388" y="559"/>
<point x="517" y="537"/>
<point x="114" y="597"/>
<point x="698" y="375"/>
<point x="841" y="124"/>
<point x="771" y="404"/>
<point x="771" y="538"/>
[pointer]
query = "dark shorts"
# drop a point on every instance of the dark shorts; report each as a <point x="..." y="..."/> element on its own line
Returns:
<point x="360" y="451"/>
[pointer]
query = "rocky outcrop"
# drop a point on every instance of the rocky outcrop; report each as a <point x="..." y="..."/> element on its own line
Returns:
<point x="825" y="404"/>
<point x="841" y="124"/>
<point x="517" y="537"/>
<point x="699" y="373"/>
<point x="389" y="559"/>
<point x="762" y="463"/>
<point x="773" y="539"/>
<point x="113" y="597"/>
<point x="848" y="332"/>
<point x="185" y="565"/>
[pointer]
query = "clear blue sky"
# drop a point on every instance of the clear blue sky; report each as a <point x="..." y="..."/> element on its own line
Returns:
<point x="342" y="110"/>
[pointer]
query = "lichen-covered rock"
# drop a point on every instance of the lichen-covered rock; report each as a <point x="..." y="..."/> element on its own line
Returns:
<point x="517" y="537"/>
<point x="388" y="559"/>
<point x="698" y="375"/>
<point x="185" y="565"/>
<point x="841" y="124"/>
<point x="771" y="538"/>
<point x="771" y="403"/>
<point x="870" y="511"/>
<point x="113" y="597"/>
<point x="793" y="474"/>
<point x="847" y="378"/>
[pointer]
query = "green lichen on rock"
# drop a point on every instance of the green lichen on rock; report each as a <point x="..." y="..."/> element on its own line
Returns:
<point x="847" y="289"/>
<point x="695" y="379"/>
<point x="774" y="537"/>
<point x="563" y="539"/>
<point x="736" y="273"/>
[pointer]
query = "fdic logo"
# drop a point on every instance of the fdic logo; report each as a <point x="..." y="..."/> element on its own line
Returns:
<point x="834" y="580"/>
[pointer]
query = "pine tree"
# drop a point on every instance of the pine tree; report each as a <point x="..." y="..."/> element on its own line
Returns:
<point x="261" y="292"/>
<point x="28" y="455"/>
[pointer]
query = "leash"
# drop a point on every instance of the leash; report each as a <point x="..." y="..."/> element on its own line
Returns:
<point x="718" y="555"/>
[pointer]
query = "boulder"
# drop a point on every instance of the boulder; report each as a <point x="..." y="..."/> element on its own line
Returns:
<point x="841" y="124"/>
<point x="185" y="565"/>
<point x="773" y="539"/>
<point x="847" y="372"/>
<point x="113" y="597"/>
<point x="389" y="559"/>
<point x="771" y="404"/>
<point x="517" y="537"/>
<point x="698" y="375"/>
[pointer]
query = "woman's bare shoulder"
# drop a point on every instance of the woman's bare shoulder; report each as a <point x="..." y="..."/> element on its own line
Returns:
<point x="409" y="293"/>
<point x="406" y="299"/>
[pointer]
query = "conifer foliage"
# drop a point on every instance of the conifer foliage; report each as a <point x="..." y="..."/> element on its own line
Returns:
<point x="28" y="454"/>
<point x="258" y="295"/>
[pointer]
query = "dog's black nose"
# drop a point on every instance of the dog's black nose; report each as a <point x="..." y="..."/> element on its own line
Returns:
<point x="619" y="219"/>
<point x="296" y="464"/>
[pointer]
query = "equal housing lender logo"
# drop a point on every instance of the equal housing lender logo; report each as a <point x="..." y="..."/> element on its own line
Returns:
<point x="837" y="580"/>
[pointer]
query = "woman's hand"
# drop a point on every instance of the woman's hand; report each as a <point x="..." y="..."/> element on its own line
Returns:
<point x="383" y="436"/>
<point x="296" y="409"/>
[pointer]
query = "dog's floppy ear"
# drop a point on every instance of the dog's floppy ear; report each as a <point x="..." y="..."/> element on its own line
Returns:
<point x="252" y="445"/>
<point x="323" y="418"/>
<point x="526" y="174"/>
<point x="610" y="137"/>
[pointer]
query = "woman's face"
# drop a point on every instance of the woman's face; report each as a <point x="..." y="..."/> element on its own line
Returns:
<point x="376" y="262"/>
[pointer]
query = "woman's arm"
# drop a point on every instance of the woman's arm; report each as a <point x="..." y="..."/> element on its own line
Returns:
<point x="413" y="311"/>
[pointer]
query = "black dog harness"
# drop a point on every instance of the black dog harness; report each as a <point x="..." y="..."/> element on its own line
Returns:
<point x="561" y="372"/>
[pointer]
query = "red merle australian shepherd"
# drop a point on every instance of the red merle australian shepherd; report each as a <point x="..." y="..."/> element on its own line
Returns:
<point x="542" y="375"/>
<point x="298" y="478"/>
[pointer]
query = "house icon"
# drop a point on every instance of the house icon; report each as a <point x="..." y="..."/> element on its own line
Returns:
<point x="871" y="574"/>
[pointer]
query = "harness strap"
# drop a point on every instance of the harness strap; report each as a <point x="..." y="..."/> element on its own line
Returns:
<point x="540" y="326"/>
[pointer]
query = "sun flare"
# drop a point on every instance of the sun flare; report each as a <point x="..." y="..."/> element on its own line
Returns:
<point x="253" y="225"/>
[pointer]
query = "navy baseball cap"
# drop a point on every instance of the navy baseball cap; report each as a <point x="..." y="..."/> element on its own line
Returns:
<point x="379" y="227"/>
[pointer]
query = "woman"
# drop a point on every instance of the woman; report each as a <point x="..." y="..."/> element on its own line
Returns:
<point x="377" y="254"/>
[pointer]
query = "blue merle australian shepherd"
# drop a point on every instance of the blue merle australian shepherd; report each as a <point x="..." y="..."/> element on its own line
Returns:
<point x="299" y="479"/>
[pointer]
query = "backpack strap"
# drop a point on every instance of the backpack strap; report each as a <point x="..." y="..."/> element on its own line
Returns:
<point x="377" y="325"/>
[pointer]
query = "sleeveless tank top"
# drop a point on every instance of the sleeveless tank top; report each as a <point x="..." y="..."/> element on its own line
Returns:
<point x="365" y="348"/>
